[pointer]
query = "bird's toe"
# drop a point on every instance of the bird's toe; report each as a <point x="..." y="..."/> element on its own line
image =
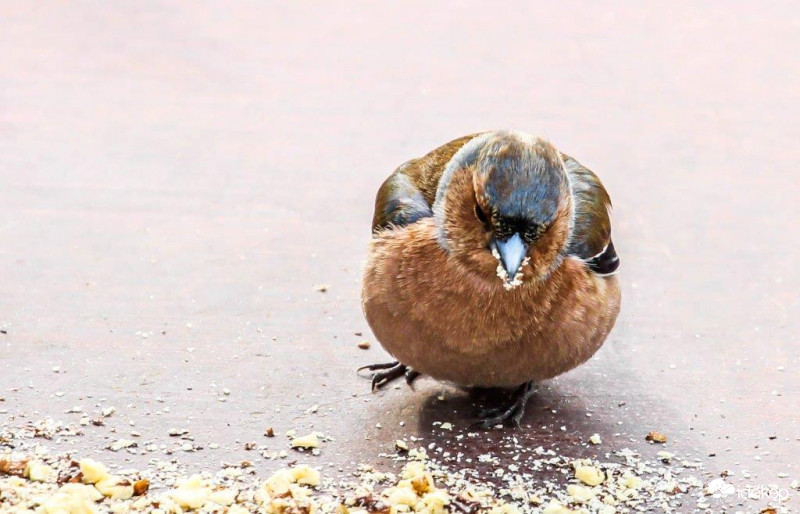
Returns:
<point x="376" y="367"/>
<point x="411" y="375"/>
<point x="386" y="372"/>
<point x="514" y="410"/>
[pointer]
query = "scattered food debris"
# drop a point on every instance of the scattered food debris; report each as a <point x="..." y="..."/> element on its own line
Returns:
<point x="589" y="475"/>
<point x="121" y="444"/>
<point x="140" y="487"/>
<point x="38" y="471"/>
<point x="434" y="479"/>
<point x="321" y="287"/>
<point x="306" y="441"/>
<point x="665" y="457"/>
<point x="364" y="345"/>
<point x="13" y="467"/>
<point x="656" y="437"/>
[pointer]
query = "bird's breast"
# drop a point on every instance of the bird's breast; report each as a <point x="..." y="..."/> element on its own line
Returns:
<point x="435" y="316"/>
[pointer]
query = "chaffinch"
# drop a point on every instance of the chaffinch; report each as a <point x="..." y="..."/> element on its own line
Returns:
<point x="491" y="265"/>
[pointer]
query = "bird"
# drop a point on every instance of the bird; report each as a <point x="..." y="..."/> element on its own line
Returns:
<point x="490" y="265"/>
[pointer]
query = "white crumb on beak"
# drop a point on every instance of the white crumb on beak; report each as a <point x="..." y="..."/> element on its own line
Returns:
<point x="503" y="274"/>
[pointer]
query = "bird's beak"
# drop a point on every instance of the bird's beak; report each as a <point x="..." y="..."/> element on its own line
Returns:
<point x="512" y="252"/>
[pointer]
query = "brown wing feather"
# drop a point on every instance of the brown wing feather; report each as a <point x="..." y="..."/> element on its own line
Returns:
<point x="591" y="235"/>
<point x="409" y="192"/>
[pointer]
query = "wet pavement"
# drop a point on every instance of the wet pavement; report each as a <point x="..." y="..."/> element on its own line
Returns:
<point x="177" y="180"/>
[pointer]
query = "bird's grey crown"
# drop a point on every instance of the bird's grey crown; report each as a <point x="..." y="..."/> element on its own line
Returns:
<point x="526" y="187"/>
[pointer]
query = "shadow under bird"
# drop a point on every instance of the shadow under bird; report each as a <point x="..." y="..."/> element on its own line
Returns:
<point x="491" y="265"/>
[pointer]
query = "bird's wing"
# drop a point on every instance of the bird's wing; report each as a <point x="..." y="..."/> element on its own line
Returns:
<point x="408" y="194"/>
<point x="591" y="234"/>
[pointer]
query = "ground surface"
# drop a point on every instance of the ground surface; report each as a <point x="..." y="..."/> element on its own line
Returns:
<point x="176" y="179"/>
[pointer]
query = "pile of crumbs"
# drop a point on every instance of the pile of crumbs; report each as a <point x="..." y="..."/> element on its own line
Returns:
<point x="32" y="480"/>
<point x="509" y="283"/>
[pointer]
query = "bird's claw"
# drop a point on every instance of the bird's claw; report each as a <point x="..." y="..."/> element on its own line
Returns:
<point x="388" y="371"/>
<point x="489" y="412"/>
<point x="514" y="410"/>
<point x="411" y="375"/>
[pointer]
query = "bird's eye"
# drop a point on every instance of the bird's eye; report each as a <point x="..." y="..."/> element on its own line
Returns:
<point x="480" y="215"/>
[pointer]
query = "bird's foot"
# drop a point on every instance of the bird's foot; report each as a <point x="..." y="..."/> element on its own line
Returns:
<point x="388" y="371"/>
<point x="514" y="410"/>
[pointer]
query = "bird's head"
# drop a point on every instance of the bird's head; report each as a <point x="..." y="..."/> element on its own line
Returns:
<point x="504" y="208"/>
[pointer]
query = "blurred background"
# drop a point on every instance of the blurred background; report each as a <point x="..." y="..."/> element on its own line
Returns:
<point x="177" y="179"/>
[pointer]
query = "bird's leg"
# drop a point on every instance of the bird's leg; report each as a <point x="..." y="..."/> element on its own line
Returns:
<point x="513" y="410"/>
<point x="388" y="371"/>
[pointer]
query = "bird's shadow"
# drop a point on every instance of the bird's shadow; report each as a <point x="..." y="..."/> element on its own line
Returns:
<point x="553" y="420"/>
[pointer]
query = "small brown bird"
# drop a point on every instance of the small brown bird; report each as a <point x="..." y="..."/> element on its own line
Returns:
<point x="491" y="265"/>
